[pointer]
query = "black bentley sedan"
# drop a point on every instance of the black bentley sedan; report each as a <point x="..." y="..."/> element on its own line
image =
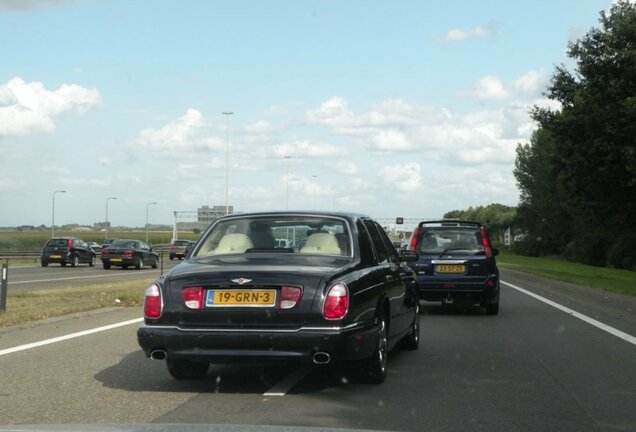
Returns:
<point x="129" y="253"/>
<point x="337" y="291"/>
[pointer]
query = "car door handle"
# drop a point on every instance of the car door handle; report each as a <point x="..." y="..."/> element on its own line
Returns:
<point x="389" y="278"/>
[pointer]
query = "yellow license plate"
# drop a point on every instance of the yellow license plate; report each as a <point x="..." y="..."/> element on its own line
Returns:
<point x="258" y="298"/>
<point x="450" y="268"/>
<point x="56" y="256"/>
<point x="115" y="259"/>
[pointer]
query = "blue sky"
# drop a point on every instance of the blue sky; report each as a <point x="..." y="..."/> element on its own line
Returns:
<point x="401" y="108"/>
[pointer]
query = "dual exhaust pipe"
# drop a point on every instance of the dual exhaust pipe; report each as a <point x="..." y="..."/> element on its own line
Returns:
<point x="158" y="354"/>
<point x="319" y="358"/>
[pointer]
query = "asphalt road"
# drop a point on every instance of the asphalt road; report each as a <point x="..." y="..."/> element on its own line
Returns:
<point x="36" y="277"/>
<point x="531" y="368"/>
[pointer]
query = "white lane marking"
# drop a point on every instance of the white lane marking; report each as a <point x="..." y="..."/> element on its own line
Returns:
<point x="68" y="336"/>
<point x="281" y="388"/>
<point x="80" y="277"/>
<point x="611" y="330"/>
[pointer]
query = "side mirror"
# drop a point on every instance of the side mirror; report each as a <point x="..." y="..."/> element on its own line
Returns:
<point x="408" y="256"/>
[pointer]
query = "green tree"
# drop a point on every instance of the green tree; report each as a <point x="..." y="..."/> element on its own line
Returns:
<point x="588" y="147"/>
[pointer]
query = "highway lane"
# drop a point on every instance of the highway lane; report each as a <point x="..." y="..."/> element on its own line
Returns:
<point x="531" y="368"/>
<point x="35" y="277"/>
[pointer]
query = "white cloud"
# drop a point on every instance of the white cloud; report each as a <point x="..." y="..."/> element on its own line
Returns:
<point x="404" y="177"/>
<point x="458" y="35"/>
<point x="25" y="5"/>
<point x="307" y="149"/>
<point x="487" y="88"/>
<point x="491" y="88"/>
<point x="179" y="138"/>
<point x="29" y="107"/>
<point x="394" y="126"/>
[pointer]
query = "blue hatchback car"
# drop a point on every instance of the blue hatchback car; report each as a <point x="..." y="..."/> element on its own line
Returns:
<point x="456" y="264"/>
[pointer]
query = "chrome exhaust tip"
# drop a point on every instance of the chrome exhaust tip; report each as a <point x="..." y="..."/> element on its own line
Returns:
<point x="158" y="355"/>
<point x="321" y="358"/>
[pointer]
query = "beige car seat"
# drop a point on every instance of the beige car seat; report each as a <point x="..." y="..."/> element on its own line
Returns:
<point x="321" y="243"/>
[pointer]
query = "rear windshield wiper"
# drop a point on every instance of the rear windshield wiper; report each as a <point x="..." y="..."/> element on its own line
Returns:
<point x="449" y="250"/>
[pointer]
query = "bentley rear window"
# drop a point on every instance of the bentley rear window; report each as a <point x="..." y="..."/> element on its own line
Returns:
<point x="278" y="234"/>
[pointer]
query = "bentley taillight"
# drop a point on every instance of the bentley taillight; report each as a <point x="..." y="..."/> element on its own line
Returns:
<point x="153" y="305"/>
<point x="289" y="296"/>
<point x="192" y="297"/>
<point x="336" y="302"/>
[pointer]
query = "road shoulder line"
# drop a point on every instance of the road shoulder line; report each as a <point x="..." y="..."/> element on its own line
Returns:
<point x="606" y="328"/>
<point x="68" y="336"/>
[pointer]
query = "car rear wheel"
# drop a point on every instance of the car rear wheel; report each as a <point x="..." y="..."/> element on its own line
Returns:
<point x="155" y="263"/>
<point x="92" y="261"/>
<point x="140" y="264"/>
<point x="106" y="266"/>
<point x="492" y="305"/>
<point x="44" y="263"/>
<point x="75" y="261"/>
<point x="187" y="369"/>
<point x="63" y="263"/>
<point x="373" y="369"/>
<point x="412" y="340"/>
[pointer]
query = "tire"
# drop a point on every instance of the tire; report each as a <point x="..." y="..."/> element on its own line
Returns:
<point x="187" y="369"/>
<point x="492" y="309"/>
<point x="373" y="369"/>
<point x="171" y="257"/>
<point x="412" y="340"/>
<point x="155" y="263"/>
<point x="44" y="263"/>
<point x="75" y="261"/>
<point x="106" y="265"/>
<point x="63" y="263"/>
<point x="91" y="263"/>
<point x="140" y="264"/>
<point x="492" y="305"/>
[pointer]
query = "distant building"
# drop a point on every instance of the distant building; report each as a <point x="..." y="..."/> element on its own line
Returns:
<point x="207" y="214"/>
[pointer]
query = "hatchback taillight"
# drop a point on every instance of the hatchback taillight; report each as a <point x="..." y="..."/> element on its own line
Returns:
<point x="128" y="253"/>
<point x="192" y="297"/>
<point x="153" y="305"/>
<point x="69" y="243"/>
<point x="417" y="232"/>
<point x="289" y="296"/>
<point x="336" y="302"/>
<point x="485" y="241"/>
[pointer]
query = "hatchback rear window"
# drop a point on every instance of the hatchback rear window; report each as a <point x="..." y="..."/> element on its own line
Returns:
<point x="57" y="243"/>
<point x="438" y="240"/>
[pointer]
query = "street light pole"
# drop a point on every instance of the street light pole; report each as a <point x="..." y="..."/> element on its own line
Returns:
<point x="287" y="181"/>
<point x="227" y="163"/>
<point x="147" y="206"/>
<point x="107" y="199"/>
<point x="314" y="176"/>
<point x="53" y="213"/>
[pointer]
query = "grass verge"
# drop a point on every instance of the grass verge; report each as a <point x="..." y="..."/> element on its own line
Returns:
<point x="24" y="306"/>
<point x="607" y="279"/>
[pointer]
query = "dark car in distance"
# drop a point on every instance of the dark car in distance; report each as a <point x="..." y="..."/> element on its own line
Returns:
<point x="178" y="249"/>
<point x="346" y="295"/>
<point x="129" y="253"/>
<point x="456" y="264"/>
<point x="67" y="250"/>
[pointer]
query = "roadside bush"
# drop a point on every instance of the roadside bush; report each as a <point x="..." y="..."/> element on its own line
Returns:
<point x="622" y="254"/>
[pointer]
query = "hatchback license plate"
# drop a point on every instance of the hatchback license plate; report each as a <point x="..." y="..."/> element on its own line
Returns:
<point x="56" y="256"/>
<point x="253" y="298"/>
<point x="115" y="259"/>
<point x="450" y="268"/>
